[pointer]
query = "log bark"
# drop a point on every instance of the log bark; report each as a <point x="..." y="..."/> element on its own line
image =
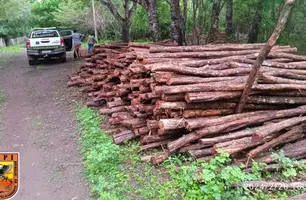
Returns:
<point x="200" y="153"/>
<point x="210" y="96"/>
<point x="238" y="145"/>
<point x="206" y="113"/>
<point x="292" y="135"/>
<point x="234" y="125"/>
<point x="276" y="100"/>
<point x="171" y="124"/>
<point x="107" y="111"/>
<point x="173" y="98"/>
<point x="154" y="145"/>
<point x="298" y="197"/>
<point x="264" y="53"/>
<point x="123" y="136"/>
<point x="170" y="105"/>
<point x="296" y="150"/>
<point x="259" y="135"/>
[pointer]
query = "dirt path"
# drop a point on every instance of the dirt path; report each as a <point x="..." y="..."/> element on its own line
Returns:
<point x="37" y="120"/>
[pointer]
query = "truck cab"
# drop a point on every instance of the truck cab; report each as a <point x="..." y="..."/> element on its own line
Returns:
<point x="47" y="43"/>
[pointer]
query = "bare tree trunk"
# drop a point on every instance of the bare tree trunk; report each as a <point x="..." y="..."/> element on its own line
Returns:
<point x="150" y="6"/>
<point x="229" y="18"/>
<point x="124" y="20"/>
<point x="125" y="31"/>
<point x="264" y="53"/>
<point x="214" y="20"/>
<point x="185" y="11"/>
<point x="176" y="32"/>
<point x="253" y="35"/>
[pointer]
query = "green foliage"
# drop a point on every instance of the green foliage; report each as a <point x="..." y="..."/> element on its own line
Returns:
<point x="43" y="12"/>
<point x="11" y="50"/>
<point x="14" y="18"/>
<point x="2" y="97"/>
<point x="70" y="13"/>
<point x="113" y="172"/>
<point x="290" y="168"/>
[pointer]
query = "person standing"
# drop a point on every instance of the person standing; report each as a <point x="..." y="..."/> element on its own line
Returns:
<point x="91" y="41"/>
<point x="77" y="41"/>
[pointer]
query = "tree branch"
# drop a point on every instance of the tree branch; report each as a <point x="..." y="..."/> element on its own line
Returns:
<point x="112" y="8"/>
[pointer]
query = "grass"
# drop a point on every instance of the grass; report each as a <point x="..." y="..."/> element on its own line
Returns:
<point x="117" y="173"/>
<point x="36" y="122"/>
<point x="2" y="97"/>
<point x="11" y="50"/>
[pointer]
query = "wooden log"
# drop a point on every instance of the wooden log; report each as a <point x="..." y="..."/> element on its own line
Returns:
<point x="271" y="185"/>
<point x="192" y="124"/>
<point x="257" y="136"/>
<point x="221" y="86"/>
<point x="141" y="131"/>
<point x="171" y="132"/>
<point x="171" y="124"/>
<point x="115" y="103"/>
<point x="152" y="124"/>
<point x="276" y="167"/>
<point x="171" y="98"/>
<point x="296" y="150"/>
<point x="291" y="135"/>
<point x="123" y="136"/>
<point x="210" y="96"/>
<point x="238" y="145"/>
<point x="202" y="71"/>
<point x="298" y="197"/>
<point x="155" y="160"/>
<point x="223" y="47"/>
<point x="153" y="145"/>
<point x="134" y="123"/>
<point x="276" y="100"/>
<point x="170" y="105"/>
<point x="196" y="146"/>
<point x="272" y="79"/>
<point x="234" y="125"/>
<point x="181" y="80"/>
<point x="206" y="113"/>
<point x="146" y="139"/>
<point x="213" y="54"/>
<point x="108" y="111"/>
<point x="200" y="152"/>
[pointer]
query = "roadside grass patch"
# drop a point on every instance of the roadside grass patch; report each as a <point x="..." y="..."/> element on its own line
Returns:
<point x="11" y="50"/>
<point x="36" y="122"/>
<point x="2" y="97"/>
<point x="115" y="172"/>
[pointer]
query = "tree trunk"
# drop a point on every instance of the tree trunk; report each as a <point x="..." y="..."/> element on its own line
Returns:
<point x="175" y="22"/>
<point x="253" y="35"/>
<point x="214" y="21"/>
<point x="152" y="14"/>
<point x="125" y="31"/>
<point x="229" y="18"/>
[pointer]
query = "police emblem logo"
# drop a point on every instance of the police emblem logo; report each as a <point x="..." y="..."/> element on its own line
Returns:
<point x="9" y="175"/>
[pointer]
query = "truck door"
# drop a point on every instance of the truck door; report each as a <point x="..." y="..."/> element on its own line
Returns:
<point x="67" y="35"/>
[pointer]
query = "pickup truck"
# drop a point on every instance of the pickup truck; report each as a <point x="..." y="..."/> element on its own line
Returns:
<point x="46" y="43"/>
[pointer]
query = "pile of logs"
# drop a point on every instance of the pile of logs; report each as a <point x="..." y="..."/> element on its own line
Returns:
<point x="184" y="98"/>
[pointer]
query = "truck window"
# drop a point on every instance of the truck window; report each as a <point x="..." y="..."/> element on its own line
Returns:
<point x="44" y="34"/>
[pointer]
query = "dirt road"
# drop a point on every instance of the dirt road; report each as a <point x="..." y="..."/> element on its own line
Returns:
<point x="37" y="120"/>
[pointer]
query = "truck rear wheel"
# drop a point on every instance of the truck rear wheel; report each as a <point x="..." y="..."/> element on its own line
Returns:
<point x="63" y="58"/>
<point x="32" y="61"/>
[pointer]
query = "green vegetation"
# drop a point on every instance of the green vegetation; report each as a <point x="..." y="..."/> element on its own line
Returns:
<point x="11" y="50"/>
<point x="36" y="122"/>
<point x="117" y="173"/>
<point x="2" y="97"/>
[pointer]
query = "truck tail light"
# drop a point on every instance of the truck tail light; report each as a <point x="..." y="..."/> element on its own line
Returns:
<point x="28" y="44"/>
<point x="62" y="42"/>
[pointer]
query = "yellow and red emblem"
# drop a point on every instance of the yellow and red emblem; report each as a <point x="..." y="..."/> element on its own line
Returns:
<point x="9" y="175"/>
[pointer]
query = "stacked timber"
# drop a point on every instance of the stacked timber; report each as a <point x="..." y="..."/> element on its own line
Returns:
<point x="184" y="98"/>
